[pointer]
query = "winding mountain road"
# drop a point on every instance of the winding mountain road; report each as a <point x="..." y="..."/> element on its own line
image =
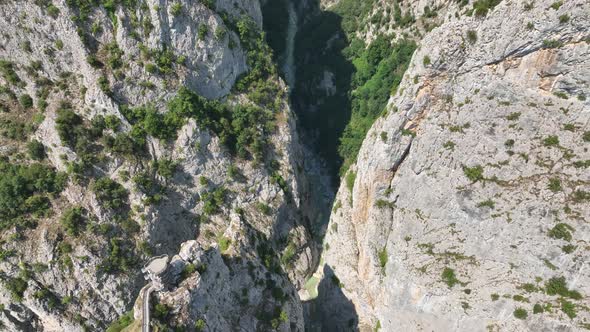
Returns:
<point x="145" y="323"/>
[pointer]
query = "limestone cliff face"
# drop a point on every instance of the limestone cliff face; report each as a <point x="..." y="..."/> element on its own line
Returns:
<point x="142" y="56"/>
<point x="469" y="201"/>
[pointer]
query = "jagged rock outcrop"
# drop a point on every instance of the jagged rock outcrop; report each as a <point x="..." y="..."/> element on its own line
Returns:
<point x="468" y="207"/>
<point x="99" y="62"/>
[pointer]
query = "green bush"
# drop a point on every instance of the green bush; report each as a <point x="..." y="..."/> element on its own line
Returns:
<point x="481" y="7"/>
<point x="104" y="85"/>
<point x="564" y="18"/>
<point x="350" y="178"/>
<point x="568" y="308"/>
<point x="25" y="101"/>
<point x="561" y="231"/>
<point x="7" y="71"/>
<point x="520" y="313"/>
<point x="112" y="122"/>
<point x="176" y="9"/>
<point x="264" y="208"/>
<point x="161" y="312"/>
<point x="472" y="36"/>
<point x="200" y="325"/>
<point x="67" y="125"/>
<point x="73" y="220"/>
<point x="449" y="278"/>
<point x="554" y="185"/>
<point x="121" y="323"/>
<point x="36" y="150"/>
<point x="110" y="193"/>
<point x="383" y="257"/>
<point x="212" y="201"/>
<point x="16" y="287"/>
<point x="165" y="167"/>
<point x="550" y="43"/>
<point x="18" y="183"/>
<point x="474" y="173"/>
<point x="203" y="30"/>
<point x="558" y="286"/>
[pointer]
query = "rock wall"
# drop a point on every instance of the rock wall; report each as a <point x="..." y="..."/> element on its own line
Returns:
<point x="468" y="203"/>
<point x="263" y="223"/>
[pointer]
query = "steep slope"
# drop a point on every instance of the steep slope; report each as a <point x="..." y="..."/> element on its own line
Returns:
<point x="112" y="153"/>
<point x="468" y="206"/>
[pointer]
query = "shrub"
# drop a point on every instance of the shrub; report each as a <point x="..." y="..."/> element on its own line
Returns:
<point x="112" y="122"/>
<point x="121" y="323"/>
<point x="556" y="5"/>
<point x="481" y="7"/>
<point x="550" y="43"/>
<point x="520" y="313"/>
<point x="36" y="150"/>
<point x="449" y="278"/>
<point x="474" y="173"/>
<point x="551" y="140"/>
<point x="176" y="9"/>
<point x="558" y="286"/>
<point x="52" y="10"/>
<point x="161" y="312"/>
<point x="7" y="71"/>
<point x="66" y="123"/>
<point x="568" y="248"/>
<point x="537" y="308"/>
<point x="200" y="325"/>
<point x="554" y="185"/>
<point x="72" y="220"/>
<point x="25" y="101"/>
<point x="561" y="231"/>
<point x="487" y="203"/>
<point x="564" y="18"/>
<point x="289" y="253"/>
<point x="513" y="116"/>
<point x="586" y="136"/>
<point x="16" y="287"/>
<point x="568" y="308"/>
<point x="426" y="61"/>
<point x="203" y="30"/>
<point x="18" y="184"/>
<point x="350" y="178"/>
<point x="472" y="36"/>
<point x="165" y="167"/>
<point x="93" y="61"/>
<point x="382" y="254"/>
<point x="264" y="208"/>
<point x="103" y="84"/>
<point x="188" y="270"/>
<point x="233" y="172"/>
<point x="220" y="33"/>
<point x="213" y="201"/>
<point x="224" y="243"/>
<point x="580" y="196"/>
<point x="449" y="145"/>
<point x="110" y="193"/>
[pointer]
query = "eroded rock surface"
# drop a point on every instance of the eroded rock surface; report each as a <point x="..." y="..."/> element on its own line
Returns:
<point x="469" y="201"/>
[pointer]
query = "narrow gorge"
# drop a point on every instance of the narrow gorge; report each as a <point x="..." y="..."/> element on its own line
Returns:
<point x="282" y="165"/>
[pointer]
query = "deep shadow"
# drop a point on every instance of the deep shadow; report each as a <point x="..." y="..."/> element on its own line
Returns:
<point x="323" y="78"/>
<point x="331" y="310"/>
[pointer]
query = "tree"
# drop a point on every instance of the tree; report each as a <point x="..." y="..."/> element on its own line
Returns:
<point x="110" y="193"/>
<point x="36" y="150"/>
<point x="72" y="220"/>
